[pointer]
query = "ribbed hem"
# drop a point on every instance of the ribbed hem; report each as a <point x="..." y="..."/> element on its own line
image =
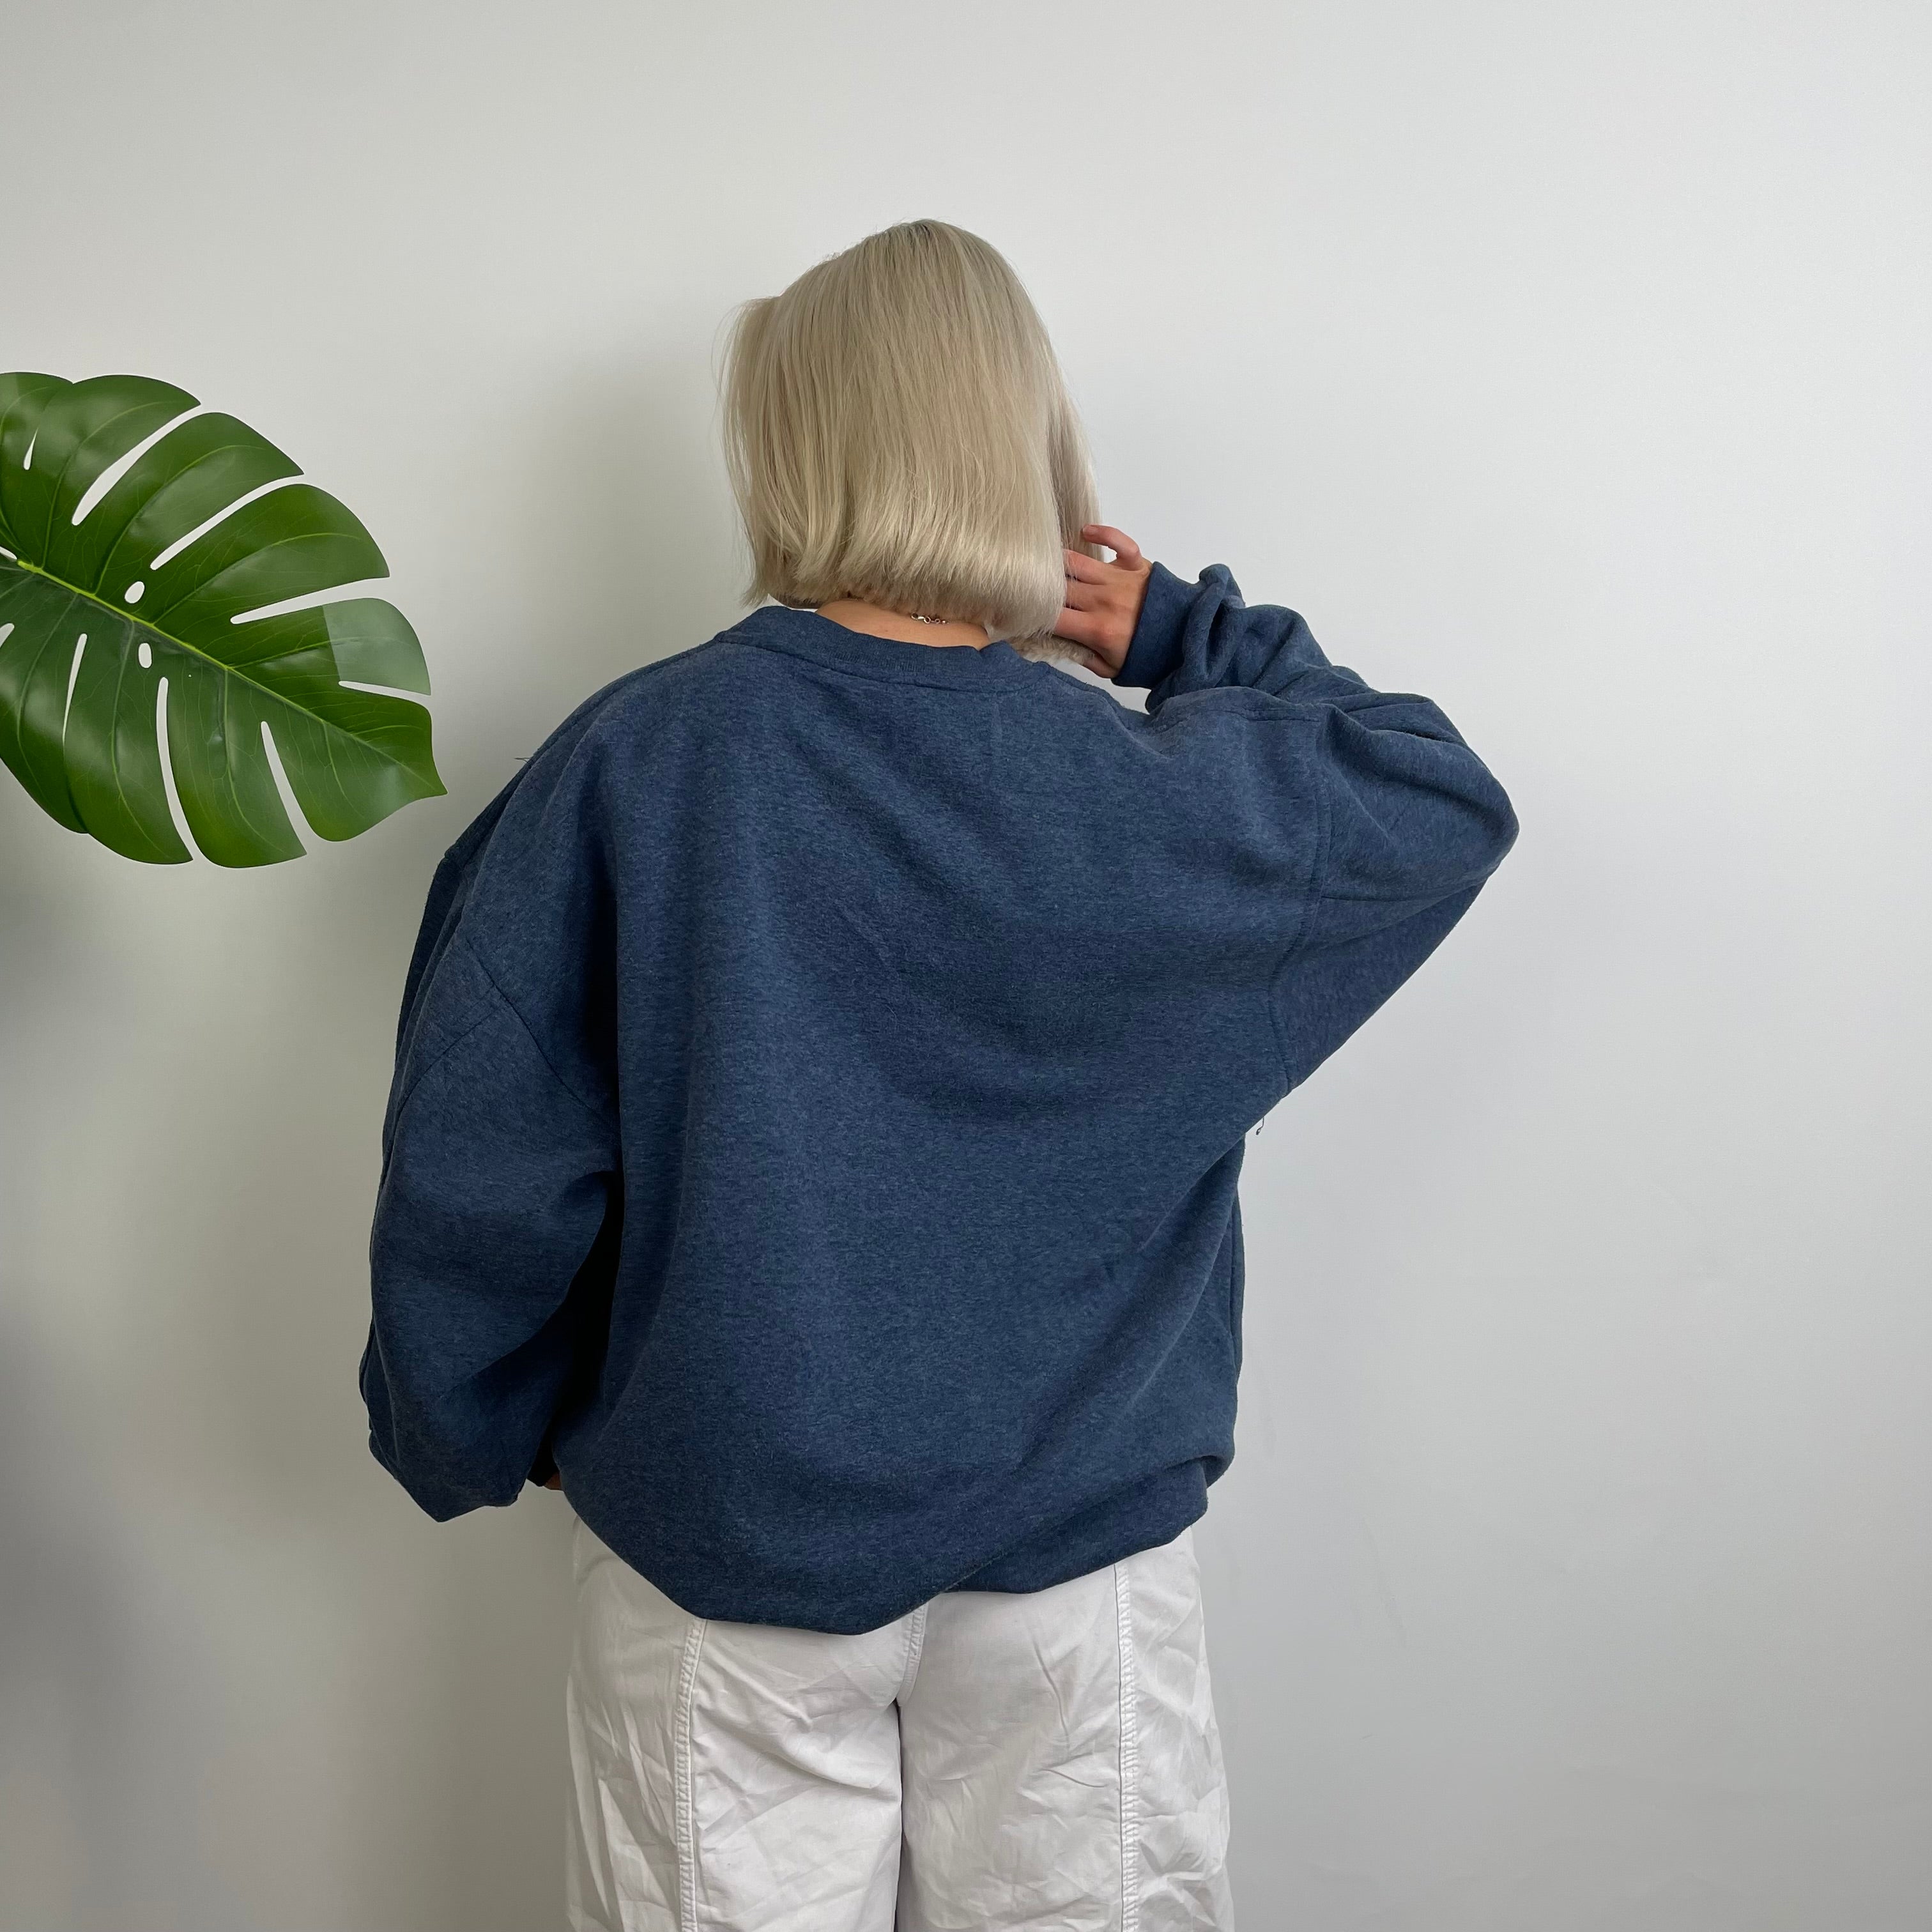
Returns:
<point x="1152" y="1512"/>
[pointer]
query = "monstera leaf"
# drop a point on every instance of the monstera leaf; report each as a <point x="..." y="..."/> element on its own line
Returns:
<point x="109" y="620"/>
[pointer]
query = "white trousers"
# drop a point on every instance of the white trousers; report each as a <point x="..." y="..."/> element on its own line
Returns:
<point x="988" y="1762"/>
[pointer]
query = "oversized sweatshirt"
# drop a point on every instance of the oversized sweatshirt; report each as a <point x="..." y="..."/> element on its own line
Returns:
<point x="822" y="1082"/>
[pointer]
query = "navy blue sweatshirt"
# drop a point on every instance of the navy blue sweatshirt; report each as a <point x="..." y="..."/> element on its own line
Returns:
<point x="823" y="1078"/>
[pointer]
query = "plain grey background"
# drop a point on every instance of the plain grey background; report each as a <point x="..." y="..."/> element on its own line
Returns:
<point x="1566" y="362"/>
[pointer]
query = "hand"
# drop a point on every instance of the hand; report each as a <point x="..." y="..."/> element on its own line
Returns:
<point x="554" y="1480"/>
<point x="1103" y="600"/>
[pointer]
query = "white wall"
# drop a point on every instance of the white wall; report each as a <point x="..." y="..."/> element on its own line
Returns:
<point x="1568" y="363"/>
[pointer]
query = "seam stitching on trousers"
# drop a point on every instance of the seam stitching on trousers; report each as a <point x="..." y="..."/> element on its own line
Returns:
<point x="687" y="1833"/>
<point x="915" y="1649"/>
<point x="1130" y="1753"/>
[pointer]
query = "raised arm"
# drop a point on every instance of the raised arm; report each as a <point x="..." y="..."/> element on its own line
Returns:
<point x="1370" y="801"/>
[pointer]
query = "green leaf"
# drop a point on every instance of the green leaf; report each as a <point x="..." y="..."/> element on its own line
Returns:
<point x="153" y="616"/>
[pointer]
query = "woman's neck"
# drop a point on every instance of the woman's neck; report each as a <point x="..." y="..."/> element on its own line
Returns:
<point x="856" y="614"/>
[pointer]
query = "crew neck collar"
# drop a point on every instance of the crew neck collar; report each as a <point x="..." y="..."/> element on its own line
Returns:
<point x="805" y="634"/>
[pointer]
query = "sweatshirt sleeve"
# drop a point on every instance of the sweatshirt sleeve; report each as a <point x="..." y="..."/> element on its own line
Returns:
<point x="1407" y="822"/>
<point x="500" y="1198"/>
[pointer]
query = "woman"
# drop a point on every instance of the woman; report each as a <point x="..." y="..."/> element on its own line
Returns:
<point x="821" y="1086"/>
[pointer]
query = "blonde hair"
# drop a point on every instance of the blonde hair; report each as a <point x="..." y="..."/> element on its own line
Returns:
<point x="897" y="429"/>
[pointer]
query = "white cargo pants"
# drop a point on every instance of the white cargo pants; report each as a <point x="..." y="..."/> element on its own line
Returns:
<point x="988" y="1762"/>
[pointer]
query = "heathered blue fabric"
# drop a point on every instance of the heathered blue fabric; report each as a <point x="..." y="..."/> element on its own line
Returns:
<point x="824" y="1075"/>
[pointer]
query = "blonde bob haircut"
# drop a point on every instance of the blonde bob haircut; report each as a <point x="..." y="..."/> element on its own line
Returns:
<point x="897" y="429"/>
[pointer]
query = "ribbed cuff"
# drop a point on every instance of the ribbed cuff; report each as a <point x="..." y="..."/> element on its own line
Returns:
<point x="1155" y="650"/>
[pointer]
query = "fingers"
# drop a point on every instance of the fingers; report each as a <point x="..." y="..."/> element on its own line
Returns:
<point x="1101" y="598"/>
<point x="1080" y="627"/>
<point x="1125" y="550"/>
<point x="1126" y="567"/>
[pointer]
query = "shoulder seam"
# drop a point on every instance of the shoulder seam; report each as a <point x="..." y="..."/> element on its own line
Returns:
<point x="483" y="965"/>
<point x="435" y="1060"/>
<point x="1304" y="925"/>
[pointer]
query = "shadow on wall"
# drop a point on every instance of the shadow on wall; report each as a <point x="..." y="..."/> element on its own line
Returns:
<point x="243" y="1681"/>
